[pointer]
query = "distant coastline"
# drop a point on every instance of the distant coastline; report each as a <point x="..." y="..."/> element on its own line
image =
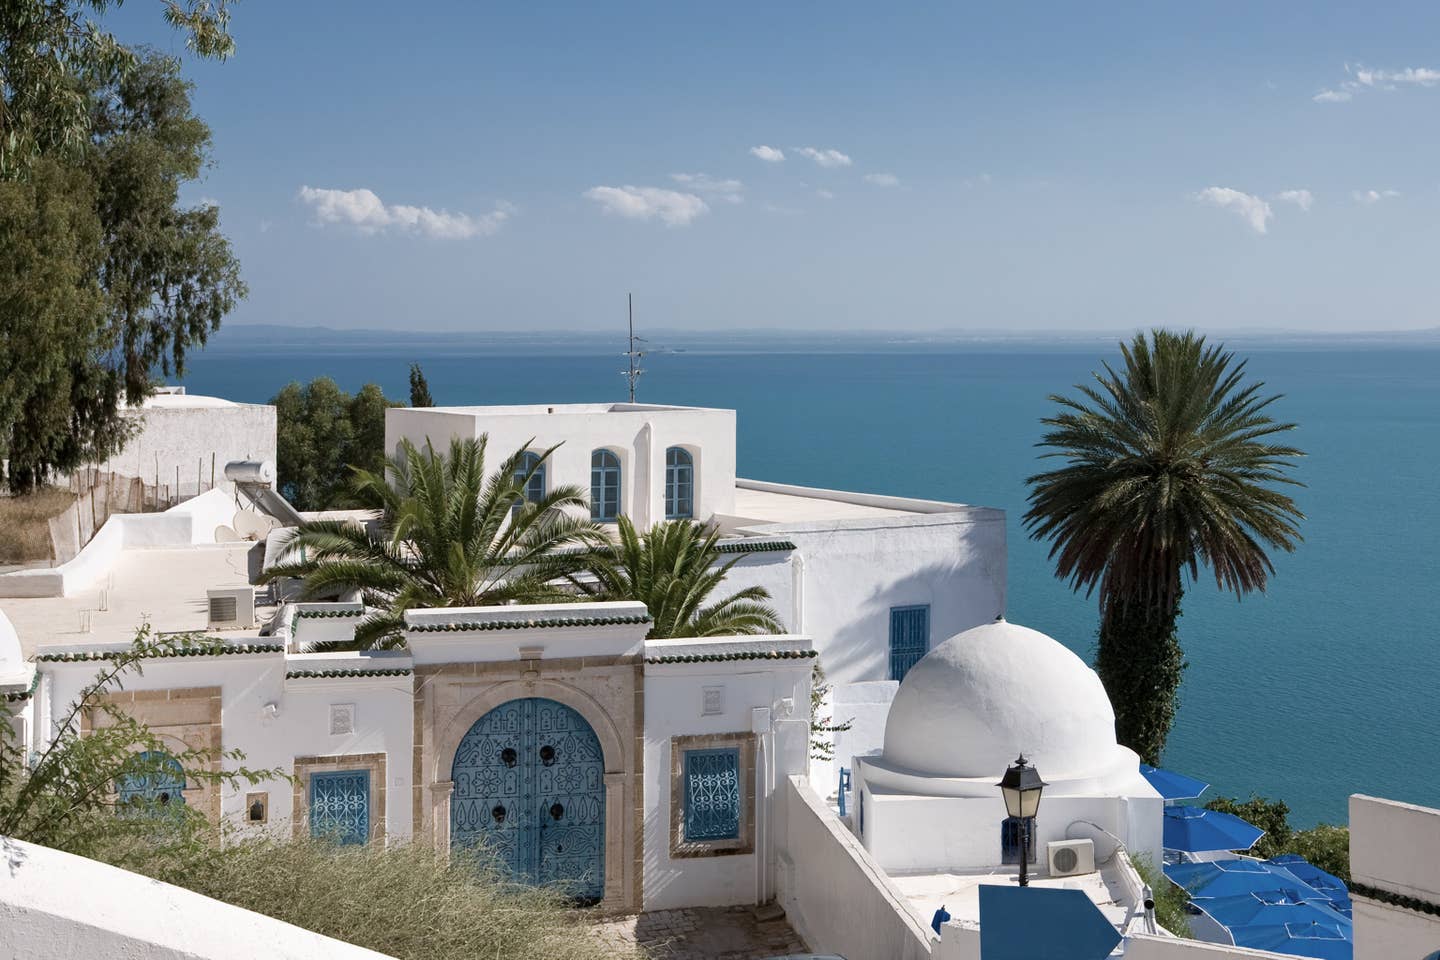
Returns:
<point x="262" y="339"/>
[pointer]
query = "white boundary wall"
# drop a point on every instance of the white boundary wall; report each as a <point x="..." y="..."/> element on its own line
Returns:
<point x="835" y="895"/>
<point x="191" y="522"/>
<point x="1394" y="847"/>
<point x="55" y="904"/>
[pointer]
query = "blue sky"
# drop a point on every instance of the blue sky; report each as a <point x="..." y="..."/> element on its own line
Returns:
<point x="476" y="166"/>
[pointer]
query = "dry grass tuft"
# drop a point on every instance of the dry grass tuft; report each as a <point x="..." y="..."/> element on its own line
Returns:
<point x="404" y="900"/>
<point x="24" y="523"/>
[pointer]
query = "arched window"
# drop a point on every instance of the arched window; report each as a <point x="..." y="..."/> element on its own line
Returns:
<point x="604" y="486"/>
<point x="679" y="484"/>
<point x="153" y="781"/>
<point x="535" y="486"/>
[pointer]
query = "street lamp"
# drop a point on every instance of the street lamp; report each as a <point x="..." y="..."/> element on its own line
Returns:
<point x="1021" y="786"/>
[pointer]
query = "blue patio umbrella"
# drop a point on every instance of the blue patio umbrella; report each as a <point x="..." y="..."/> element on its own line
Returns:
<point x="1327" y="883"/>
<point x="1325" y="941"/>
<point x="1269" y="908"/>
<point x="1171" y="785"/>
<point x="1194" y="829"/>
<point x="1230" y="878"/>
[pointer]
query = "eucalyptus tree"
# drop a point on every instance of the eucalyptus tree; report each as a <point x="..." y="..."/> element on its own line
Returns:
<point x="673" y="568"/>
<point x="445" y="535"/>
<point x="1172" y="463"/>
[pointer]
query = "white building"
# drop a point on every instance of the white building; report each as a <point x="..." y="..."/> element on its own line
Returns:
<point x="875" y="580"/>
<point x="183" y="440"/>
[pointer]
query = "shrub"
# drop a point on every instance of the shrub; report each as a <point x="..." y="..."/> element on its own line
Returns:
<point x="405" y="900"/>
<point x="1170" y="900"/>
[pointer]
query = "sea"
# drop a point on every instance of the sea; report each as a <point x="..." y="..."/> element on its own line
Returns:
<point x="1325" y="685"/>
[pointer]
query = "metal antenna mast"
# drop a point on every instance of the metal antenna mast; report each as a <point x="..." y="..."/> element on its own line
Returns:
<point x="634" y="355"/>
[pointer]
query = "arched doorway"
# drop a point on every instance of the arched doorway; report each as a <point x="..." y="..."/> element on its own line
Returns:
<point x="529" y="785"/>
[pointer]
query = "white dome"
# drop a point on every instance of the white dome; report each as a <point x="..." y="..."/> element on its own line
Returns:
<point x="13" y="668"/>
<point x="982" y="697"/>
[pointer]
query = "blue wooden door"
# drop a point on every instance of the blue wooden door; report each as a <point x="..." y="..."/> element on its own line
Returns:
<point x="909" y="638"/>
<point x="340" y="806"/>
<point x="530" y="788"/>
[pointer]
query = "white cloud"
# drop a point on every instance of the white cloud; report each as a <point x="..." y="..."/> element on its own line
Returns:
<point x="670" y="207"/>
<point x="768" y="154"/>
<point x="824" y="158"/>
<point x="824" y="194"/>
<point x="1251" y="209"/>
<point x="1375" y="196"/>
<point x="1303" y="199"/>
<point x="729" y="191"/>
<point x="366" y="212"/>
<point x="882" y="179"/>
<point x="1362" y="78"/>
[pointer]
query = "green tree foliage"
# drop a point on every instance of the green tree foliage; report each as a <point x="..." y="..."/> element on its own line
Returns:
<point x="66" y="796"/>
<point x="321" y="433"/>
<point x="822" y="727"/>
<point x="447" y="535"/>
<point x="673" y="568"/>
<point x="1170" y="900"/>
<point x="107" y="276"/>
<point x="168" y="272"/>
<point x="1170" y="465"/>
<point x="58" y="403"/>
<point x="1325" y="846"/>
<point x="419" y="388"/>
<point x="47" y="46"/>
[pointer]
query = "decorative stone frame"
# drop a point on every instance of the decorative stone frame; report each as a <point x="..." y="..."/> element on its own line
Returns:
<point x="606" y="691"/>
<point x="186" y="717"/>
<point x="305" y="766"/>
<point x="680" y="848"/>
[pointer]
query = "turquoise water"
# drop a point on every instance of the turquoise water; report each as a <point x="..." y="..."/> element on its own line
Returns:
<point x="1323" y="687"/>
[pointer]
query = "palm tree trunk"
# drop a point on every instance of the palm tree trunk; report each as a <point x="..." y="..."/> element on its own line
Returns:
<point x="1141" y="663"/>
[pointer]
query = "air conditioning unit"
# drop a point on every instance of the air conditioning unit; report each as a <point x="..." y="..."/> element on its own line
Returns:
<point x="1069" y="858"/>
<point x="232" y="608"/>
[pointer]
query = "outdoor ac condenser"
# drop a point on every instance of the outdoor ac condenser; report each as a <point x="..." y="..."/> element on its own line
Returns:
<point x="232" y="608"/>
<point x="1070" y="857"/>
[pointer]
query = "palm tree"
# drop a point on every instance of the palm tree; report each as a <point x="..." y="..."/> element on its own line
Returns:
<point x="673" y="568"/>
<point x="1170" y="465"/>
<point x="446" y="536"/>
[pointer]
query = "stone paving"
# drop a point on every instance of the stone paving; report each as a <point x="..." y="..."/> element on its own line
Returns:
<point x="705" y="933"/>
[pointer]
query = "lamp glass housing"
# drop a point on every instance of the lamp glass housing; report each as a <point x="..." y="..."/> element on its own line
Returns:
<point x="1021" y="787"/>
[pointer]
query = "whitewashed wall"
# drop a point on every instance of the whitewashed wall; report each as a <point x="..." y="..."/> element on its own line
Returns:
<point x="300" y="725"/>
<point x="186" y="433"/>
<point x="854" y="571"/>
<point x="835" y="895"/>
<point x="1394" y="847"/>
<point x="674" y="695"/>
<point x="638" y="434"/>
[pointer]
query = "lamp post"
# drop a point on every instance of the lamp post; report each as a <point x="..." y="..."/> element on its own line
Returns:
<point x="1021" y="786"/>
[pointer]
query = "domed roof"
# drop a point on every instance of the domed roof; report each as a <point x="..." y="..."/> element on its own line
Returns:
<point x="983" y="696"/>
<point x="13" y="668"/>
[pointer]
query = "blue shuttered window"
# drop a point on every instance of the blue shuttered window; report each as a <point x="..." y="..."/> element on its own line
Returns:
<point x="155" y="780"/>
<point x="534" y="488"/>
<point x="712" y="794"/>
<point x="909" y="638"/>
<point x="679" y="484"/>
<point x="604" y="486"/>
<point x="1010" y="840"/>
<point x="340" y="806"/>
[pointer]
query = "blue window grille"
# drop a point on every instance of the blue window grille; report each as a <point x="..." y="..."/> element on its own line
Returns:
<point x="1010" y="839"/>
<point x="909" y="638"/>
<point x="679" y="484"/>
<point x="155" y="781"/>
<point x="534" y="488"/>
<point x="604" y="486"/>
<point x="844" y="788"/>
<point x="712" y="794"/>
<point x="340" y="806"/>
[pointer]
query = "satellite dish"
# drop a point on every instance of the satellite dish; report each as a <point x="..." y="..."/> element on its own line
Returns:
<point x="253" y="526"/>
<point x="224" y="534"/>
